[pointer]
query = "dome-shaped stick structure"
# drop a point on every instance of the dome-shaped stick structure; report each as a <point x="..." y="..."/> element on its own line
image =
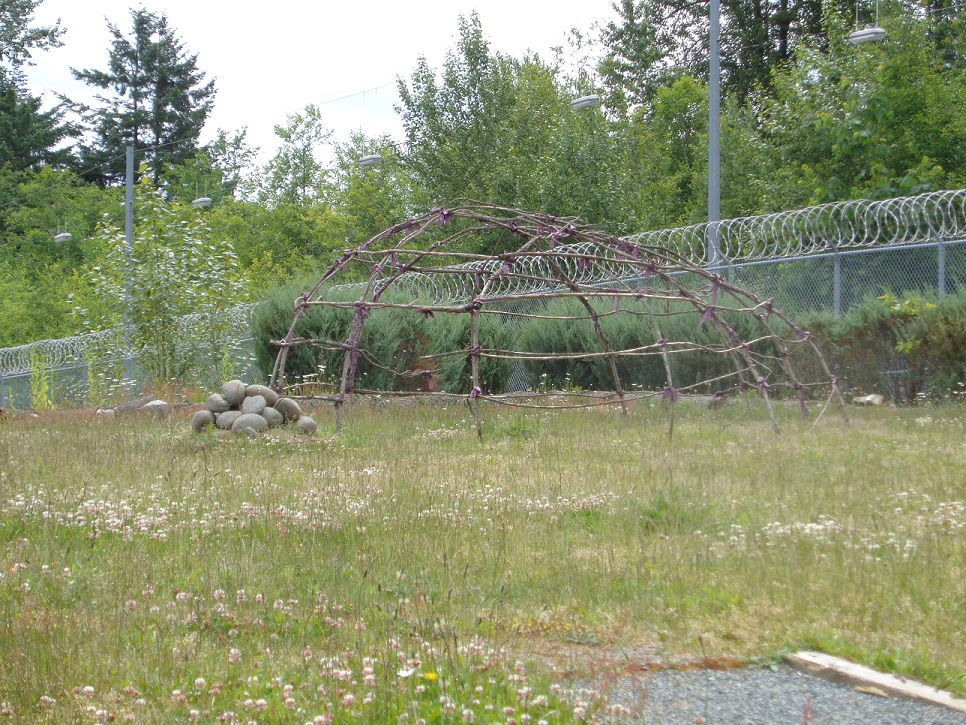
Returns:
<point x="569" y="311"/>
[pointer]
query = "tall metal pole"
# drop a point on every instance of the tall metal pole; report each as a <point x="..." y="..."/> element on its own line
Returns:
<point x="714" y="139"/>
<point x="128" y="258"/>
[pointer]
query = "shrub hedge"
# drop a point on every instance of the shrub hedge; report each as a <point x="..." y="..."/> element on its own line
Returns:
<point x="909" y="348"/>
<point x="396" y="344"/>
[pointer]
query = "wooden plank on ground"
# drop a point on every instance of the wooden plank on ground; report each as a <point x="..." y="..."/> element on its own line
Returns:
<point x="868" y="680"/>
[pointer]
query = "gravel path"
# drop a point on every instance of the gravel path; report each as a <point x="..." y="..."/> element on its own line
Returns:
<point x="775" y="695"/>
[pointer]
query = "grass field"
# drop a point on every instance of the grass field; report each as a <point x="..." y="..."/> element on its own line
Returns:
<point x="404" y="570"/>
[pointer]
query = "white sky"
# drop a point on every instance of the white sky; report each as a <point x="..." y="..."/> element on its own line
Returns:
<point x="271" y="60"/>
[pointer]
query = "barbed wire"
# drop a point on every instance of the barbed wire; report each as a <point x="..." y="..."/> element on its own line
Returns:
<point x="910" y="220"/>
<point x="798" y="234"/>
<point x="791" y="235"/>
<point x="232" y="324"/>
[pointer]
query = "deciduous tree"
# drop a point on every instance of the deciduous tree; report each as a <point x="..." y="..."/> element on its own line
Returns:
<point x="18" y="38"/>
<point x="176" y="268"/>
<point x="295" y="175"/>
<point x="454" y="121"/>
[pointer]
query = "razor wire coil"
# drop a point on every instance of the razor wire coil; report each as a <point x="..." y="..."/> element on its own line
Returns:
<point x="924" y="219"/>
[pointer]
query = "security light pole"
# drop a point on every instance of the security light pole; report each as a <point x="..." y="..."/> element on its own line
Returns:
<point x="714" y="140"/>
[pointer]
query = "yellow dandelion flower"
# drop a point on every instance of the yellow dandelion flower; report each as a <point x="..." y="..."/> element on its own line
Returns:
<point x="430" y="676"/>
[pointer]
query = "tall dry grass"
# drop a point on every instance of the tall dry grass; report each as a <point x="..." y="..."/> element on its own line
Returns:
<point x="405" y="570"/>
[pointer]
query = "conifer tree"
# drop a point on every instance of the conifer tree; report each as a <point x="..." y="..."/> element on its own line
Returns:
<point x="157" y="99"/>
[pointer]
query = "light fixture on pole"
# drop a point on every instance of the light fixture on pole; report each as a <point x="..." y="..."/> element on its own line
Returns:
<point x="370" y="160"/>
<point x="589" y="101"/>
<point x="202" y="202"/>
<point x="869" y="34"/>
<point x="62" y="236"/>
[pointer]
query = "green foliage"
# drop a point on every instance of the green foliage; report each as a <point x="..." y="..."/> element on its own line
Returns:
<point x="868" y="122"/>
<point x="631" y="69"/>
<point x="369" y="199"/>
<point x="586" y="171"/>
<point x="272" y="320"/>
<point x="19" y="38"/>
<point x="653" y="42"/>
<point x="175" y="269"/>
<point x="105" y="374"/>
<point x="295" y="175"/>
<point x="453" y="123"/>
<point x="40" y="381"/>
<point x="403" y="348"/>
<point x="222" y="171"/>
<point x="235" y="159"/>
<point x="37" y="274"/>
<point x="573" y="333"/>
<point x="496" y="129"/>
<point x="281" y="243"/>
<point x="932" y="335"/>
<point x="859" y="346"/>
<point x="908" y="348"/>
<point x="34" y="308"/>
<point x="29" y="136"/>
<point x="670" y="152"/>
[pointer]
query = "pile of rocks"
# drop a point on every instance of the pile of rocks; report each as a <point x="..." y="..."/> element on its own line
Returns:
<point x="250" y="409"/>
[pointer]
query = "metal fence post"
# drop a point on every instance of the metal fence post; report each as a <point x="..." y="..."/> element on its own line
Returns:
<point x="941" y="263"/>
<point x="837" y="282"/>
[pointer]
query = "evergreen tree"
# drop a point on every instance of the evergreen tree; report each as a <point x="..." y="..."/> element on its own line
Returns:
<point x="28" y="134"/>
<point x="158" y="99"/>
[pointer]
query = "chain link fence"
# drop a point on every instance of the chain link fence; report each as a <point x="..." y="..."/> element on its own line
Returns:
<point x="835" y="282"/>
<point x="98" y="368"/>
<point x="826" y="258"/>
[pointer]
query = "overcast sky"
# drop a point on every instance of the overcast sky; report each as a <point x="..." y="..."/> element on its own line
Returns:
<point x="271" y="59"/>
